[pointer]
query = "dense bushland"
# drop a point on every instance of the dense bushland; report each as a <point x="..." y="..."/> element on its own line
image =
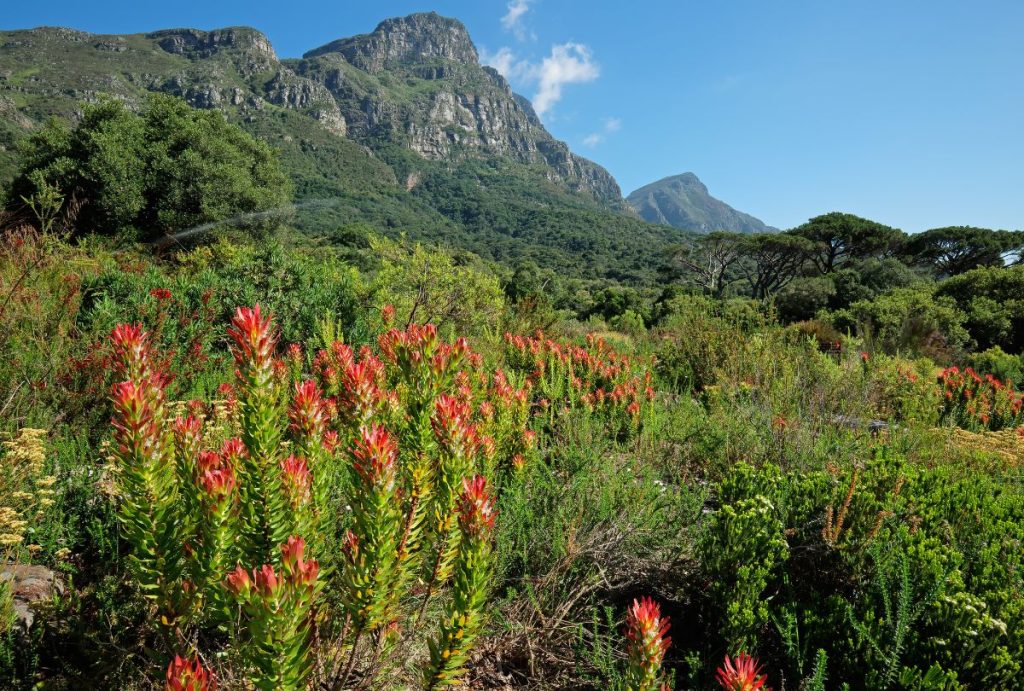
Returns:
<point x="290" y="501"/>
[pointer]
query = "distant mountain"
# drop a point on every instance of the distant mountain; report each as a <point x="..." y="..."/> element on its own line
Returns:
<point x="682" y="201"/>
<point x="401" y="129"/>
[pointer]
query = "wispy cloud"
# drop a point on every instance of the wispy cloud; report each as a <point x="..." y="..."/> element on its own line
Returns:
<point x="511" y="67"/>
<point x="512" y="21"/>
<point x="568" y="63"/>
<point x="610" y="126"/>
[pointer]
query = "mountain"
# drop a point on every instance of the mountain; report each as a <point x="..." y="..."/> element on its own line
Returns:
<point x="401" y="129"/>
<point x="683" y="201"/>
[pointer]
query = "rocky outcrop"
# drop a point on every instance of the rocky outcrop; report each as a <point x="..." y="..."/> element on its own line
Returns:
<point x="198" y="45"/>
<point x="291" y="91"/>
<point x="249" y="50"/>
<point x="403" y="41"/>
<point x="29" y="584"/>
<point x="445" y="106"/>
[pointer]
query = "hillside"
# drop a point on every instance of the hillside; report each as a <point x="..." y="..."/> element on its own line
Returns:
<point x="401" y="129"/>
<point x="683" y="201"/>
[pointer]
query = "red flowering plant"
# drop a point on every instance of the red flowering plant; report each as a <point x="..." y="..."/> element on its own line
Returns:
<point x="979" y="403"/>
<point x="278" y="610"/>
<point x="358" y="471"/>
<point x="743" y="673"/>
<point x="188" y="674"/>
<point x="647" y="640"/>
<point x="463" y="615"/>
<point x="594" y="377"/>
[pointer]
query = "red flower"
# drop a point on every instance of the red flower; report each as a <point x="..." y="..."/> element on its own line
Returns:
<point x="297" y="479"/>
<point x="233" y="451"/>
<point x="743" y="674"/>
<point x="387" y="315"/>
<point x="218" y="483"/>
<point x="374" y="457"/>
<point x="300" y="570"/>
<point x="160" y="294"/>
<point x="238" y="581"/>
<point x="308" y="413"/>
<point x="646" y="631"/>
<point x="476" y="507"/>
<point x="254" y="337"/>
<point x="188" y="674"/>
<point x="265" y="581"/>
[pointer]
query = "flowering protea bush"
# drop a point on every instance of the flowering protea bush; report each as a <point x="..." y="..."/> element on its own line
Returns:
<point x="974" y="402"/>
<point x="594" y="377"/>
<point x="743" y="673"/>
<point x="277" y="616"/>
<point x="647" y="640"/>
<point x="362" y="482"/>
<point x="463" y="616"/>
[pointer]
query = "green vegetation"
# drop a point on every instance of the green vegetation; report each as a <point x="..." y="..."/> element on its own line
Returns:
<point x="804" y="449"/>
<point x="167" y="169"/>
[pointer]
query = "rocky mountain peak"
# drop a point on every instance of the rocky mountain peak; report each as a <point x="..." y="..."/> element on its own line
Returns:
<point x="403" y="41"/>
<point x="683" y="201"/>
<point x="197" y="44"/>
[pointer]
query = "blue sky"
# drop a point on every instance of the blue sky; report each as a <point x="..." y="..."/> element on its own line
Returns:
<point x="908" y="112"/>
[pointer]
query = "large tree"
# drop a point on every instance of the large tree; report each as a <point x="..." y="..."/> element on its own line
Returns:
<point x="772" y="260"/>
<point x="957" y="249"/>
<point x="153" y="173"/>
<point x="839" y="237"/>
<point x="709" y="258"/>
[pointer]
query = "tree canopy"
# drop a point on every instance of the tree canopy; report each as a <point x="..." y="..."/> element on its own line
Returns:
<point x="163" y="170"/>
<point x="838" y="237"/>
<point x="957" y="249"/>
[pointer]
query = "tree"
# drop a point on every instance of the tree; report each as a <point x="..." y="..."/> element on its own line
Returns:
<point x="957" y="249"/>
<point x="773" y="260"/>
<point x="709" y="259"/>
<point x="839" y="237"/>
<point x="993" y="299"/>
<point x="158" y="172"/>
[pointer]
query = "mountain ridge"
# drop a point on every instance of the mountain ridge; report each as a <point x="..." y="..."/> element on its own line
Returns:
<point x="683" y="201"/>
<point x="429" y="144"/>
<point x="445" y="106"/>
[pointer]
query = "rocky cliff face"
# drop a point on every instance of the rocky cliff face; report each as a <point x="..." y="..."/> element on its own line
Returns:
<point x="418" y="80"/>
<point x="402" y="41"/>
<point x="415" y="81"/>
<point x="683" y="201"/>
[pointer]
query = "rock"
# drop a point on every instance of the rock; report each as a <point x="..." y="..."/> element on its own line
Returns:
<point x="29" y="584"/>
<point x="405" y="40"/>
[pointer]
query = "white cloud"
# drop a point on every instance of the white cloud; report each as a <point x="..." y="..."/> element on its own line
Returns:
<point x="610" y="126"/>
<point x="568" y="63"/>
<point x="512" y="21"/>
<point x="508" y="65"/>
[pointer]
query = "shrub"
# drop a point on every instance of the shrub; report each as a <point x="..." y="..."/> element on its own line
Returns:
<point x="975" y="402"/>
